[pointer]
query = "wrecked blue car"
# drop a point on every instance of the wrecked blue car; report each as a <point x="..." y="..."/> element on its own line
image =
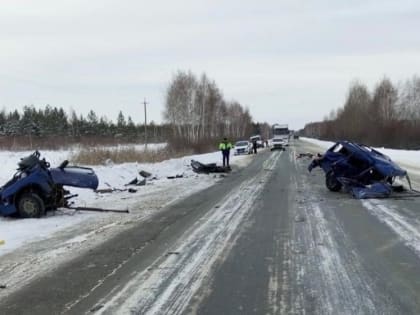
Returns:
<point x="360" y="170"/>
<point x="36" y="188"/>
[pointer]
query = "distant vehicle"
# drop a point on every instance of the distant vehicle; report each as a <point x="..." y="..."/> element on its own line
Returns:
<point x="242" y="147"/>
<point x="359" y="169"/>
<point x="260" y="143"/>
<point x="278" y="144"/>
<point x="281" y="132"/>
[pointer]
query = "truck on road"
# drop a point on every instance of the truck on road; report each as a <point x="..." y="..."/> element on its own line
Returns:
<point x="281" y="132"/>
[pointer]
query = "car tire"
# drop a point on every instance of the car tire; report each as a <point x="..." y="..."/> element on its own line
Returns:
<point x="30" y="205"/>
<point x="331" y="182"/>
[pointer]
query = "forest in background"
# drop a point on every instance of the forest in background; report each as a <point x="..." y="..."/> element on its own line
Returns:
<point x="52" y="127"/>
<point x="196" y="116"/>
<point x="388" y="116"/>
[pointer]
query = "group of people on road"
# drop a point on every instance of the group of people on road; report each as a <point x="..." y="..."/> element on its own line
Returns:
<point x="225" y="147"/>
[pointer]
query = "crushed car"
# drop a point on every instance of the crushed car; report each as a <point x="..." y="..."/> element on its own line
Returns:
<point x="36" y="188"/>
<point x="360" y="170"/>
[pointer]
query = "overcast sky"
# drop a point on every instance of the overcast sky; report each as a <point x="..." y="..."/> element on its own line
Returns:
<point x="288" y="61"/>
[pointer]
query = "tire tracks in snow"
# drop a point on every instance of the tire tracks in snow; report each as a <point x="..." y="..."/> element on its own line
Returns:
<point x="405" y="227"/>
<point x="170" y="283"/>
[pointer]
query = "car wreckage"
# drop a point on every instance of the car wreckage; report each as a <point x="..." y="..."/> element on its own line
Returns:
<point x="360" y="170"/>
<point x="36" y="188"/>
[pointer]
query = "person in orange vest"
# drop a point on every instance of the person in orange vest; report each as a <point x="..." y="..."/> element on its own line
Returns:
<point x="225" y="147"/>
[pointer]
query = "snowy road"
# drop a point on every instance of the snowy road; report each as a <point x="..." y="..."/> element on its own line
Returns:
<point x="268" y="239"/>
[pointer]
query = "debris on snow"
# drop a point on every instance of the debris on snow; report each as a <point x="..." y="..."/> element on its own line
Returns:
<point x="208" y="168"/>
<point x="300" y="218"/>
<point x="96" y="308"/>
<point x="304" y="155"/>
<point x="145" y="174"/>
<point x="176" y="176"/>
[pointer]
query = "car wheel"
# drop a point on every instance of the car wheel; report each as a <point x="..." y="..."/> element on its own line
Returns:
<point x="331" y="182"/>
<point x="30" y="205"/>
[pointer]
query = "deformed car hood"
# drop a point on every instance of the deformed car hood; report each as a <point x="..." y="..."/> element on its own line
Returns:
<point x="75" y="176"/>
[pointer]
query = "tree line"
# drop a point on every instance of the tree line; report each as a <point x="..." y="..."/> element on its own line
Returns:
<point x="387" y="116"/>
<point x="196" y="116"/>
<point x="48" y="126"/>
<point x="199" y="114"/>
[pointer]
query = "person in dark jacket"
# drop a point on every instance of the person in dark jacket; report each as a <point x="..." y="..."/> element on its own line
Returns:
<point x="254" y="146"/>
<point x="225" y="147"/>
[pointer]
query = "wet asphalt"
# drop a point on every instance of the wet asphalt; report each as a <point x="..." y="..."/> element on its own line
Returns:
<point x="371" y="269"/>
<point x="302" y="250"/>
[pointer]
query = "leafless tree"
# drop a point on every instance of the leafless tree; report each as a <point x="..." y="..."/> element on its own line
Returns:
<point x="199" y="114"/>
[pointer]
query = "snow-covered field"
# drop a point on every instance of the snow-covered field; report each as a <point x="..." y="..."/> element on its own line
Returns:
<point x="68" y="229"/>
<point x="17" y="232"/>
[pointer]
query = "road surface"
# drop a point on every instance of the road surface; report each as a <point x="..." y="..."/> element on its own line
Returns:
<point x="268" y="239"/>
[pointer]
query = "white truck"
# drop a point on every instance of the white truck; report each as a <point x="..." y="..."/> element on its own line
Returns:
<point x="281" y="132"/>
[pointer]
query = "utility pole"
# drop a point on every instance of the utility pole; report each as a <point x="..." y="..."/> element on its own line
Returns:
<point x="145" y="123"/>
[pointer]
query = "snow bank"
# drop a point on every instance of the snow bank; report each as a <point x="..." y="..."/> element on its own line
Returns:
<point x="17" y="232"/>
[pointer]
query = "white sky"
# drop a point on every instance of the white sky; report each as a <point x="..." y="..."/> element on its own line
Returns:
<point x="288" y="61"/>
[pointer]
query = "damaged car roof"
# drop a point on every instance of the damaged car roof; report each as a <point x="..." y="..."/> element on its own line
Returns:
<point x="361" y="170"/>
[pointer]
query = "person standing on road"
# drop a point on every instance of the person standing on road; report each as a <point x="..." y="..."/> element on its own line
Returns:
<point x="254" y="146"/>
<point x="225" y="147"/>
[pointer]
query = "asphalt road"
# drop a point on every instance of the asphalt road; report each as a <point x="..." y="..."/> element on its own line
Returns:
<point x="268" y="239"/>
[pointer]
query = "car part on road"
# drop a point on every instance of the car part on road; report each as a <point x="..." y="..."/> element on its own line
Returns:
<point x="145" y="174"/>
<point x="97" y="209"/>
<point x="111" y="190"/>
<point x="332" y="182"/>
<point x="208" y="168"/>
<point x="36" y="188"/>
<point x="360" y="170"/>
<point x="30" y="205"/>
<point x="302" y="155"/>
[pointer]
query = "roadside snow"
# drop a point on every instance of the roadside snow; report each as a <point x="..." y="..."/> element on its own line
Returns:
<point x="30" y="248"/>
<point x="15" y="233"/>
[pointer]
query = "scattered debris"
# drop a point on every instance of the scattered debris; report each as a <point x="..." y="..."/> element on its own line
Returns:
<point x="136" y="182"/>
<point x="304" y="155"/>
<point x="98" y="209"/>
<point x="176" y="176"/>
<point x="145" y="174"/>
<point x="360" y="170"/>
<point x="141" y="183"/>
<point x="300" y="218"/>
<point x="133" y="182"/>
<point x="208" y="168"/>
<point x="96" y="308"/>
<point x="111" y="190"/>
